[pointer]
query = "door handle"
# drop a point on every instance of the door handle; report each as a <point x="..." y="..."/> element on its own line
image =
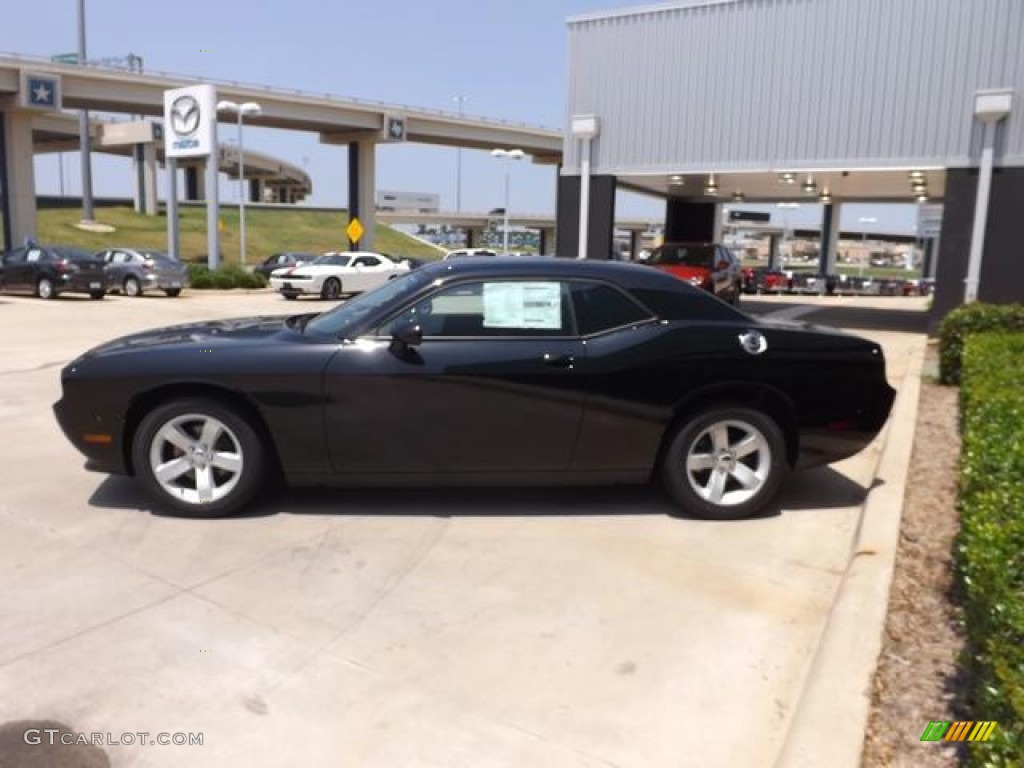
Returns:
<point x="559" y="361"/>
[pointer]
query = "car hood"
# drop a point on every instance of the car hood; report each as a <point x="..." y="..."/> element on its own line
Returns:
<point x="312" y="269"/>
<point x="245" y="330"/>
<point x="684" y="271"/>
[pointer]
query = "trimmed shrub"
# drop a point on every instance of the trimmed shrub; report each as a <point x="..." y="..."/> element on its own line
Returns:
<point x="229" y="276"/>
<point x="975" y="317"/>
<point x="990" y="553"/>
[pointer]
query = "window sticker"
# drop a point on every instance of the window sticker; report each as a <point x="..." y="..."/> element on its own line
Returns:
<point x="523" y="305"/>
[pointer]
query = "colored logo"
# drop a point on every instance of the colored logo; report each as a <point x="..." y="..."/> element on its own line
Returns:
<point x="185" y="115"/>
<point x="958" y="730"/>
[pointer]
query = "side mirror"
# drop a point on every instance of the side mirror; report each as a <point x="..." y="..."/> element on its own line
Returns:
<point x="409" y="334"/>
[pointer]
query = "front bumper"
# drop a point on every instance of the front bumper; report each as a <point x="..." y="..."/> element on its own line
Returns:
<point x="83" y="428"/>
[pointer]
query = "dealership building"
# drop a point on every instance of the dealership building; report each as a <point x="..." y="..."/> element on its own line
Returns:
<point x="704" y="102"/>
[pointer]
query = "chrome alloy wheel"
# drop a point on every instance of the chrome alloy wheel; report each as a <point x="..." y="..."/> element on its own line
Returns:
<point x="728" y="463"/>
<point x="196" y="458"/>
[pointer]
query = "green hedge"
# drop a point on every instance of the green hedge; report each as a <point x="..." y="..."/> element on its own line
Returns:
<point x="975" y="317"/>
<point x="230" y="276"/>
<point x="991" y="543"/>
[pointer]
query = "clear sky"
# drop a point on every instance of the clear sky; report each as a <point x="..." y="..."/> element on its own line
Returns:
<point x="508" y="59"/>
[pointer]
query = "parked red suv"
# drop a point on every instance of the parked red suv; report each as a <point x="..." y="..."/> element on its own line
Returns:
<point x="709" y="266"/>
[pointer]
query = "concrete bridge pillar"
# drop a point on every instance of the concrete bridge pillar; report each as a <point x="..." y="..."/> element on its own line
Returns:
<point x="17" y="178"/>
<point x="547" y="240"/>
<point x="473" y="236"/>
<point x="362" y="176"/>
<point x="255" y="190"/>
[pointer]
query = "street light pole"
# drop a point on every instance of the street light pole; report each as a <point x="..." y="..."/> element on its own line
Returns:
<point x="458" y="162"/>
<point x="509" y="155"/>
<point x="248" y="108"/>
<point x="83" y="128"/>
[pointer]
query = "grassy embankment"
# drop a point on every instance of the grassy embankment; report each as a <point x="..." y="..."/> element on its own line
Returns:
<point x="267" y="231"/>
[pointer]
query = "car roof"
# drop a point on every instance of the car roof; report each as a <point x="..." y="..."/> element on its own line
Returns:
<point x="627" y="274"/>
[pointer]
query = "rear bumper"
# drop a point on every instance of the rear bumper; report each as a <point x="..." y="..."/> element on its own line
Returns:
<point x="76" y="283"/>
<point x="841" y="439"/>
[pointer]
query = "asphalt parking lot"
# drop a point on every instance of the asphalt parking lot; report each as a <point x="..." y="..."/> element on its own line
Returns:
<point x="384" y="628"/>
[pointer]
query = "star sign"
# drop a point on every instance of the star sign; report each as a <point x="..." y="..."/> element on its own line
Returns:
<point x="41" y="94"/>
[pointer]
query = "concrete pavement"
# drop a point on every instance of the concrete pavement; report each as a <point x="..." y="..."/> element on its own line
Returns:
<point x="385" y="628"/>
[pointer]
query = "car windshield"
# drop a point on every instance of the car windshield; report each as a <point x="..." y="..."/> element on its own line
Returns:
<point x="74" y="254"/>
<point x="683" y="255"/>
<point x="331" y="260"/>
<point x="352" y="312"/>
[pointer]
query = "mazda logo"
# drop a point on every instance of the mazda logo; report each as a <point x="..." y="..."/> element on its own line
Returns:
<point x="185" y="115"/>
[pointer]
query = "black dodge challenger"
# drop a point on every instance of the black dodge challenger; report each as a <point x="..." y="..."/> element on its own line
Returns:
<point x="481" y="371"/>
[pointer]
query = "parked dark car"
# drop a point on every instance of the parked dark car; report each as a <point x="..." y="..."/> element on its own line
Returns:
<point x="133" y="272"/>
<point x="50" y="270"/>
<point x="705" y="265"/>
<point x="281" y="260"/>
<point x="814" y="283"/>
<point x="504" y="371"/>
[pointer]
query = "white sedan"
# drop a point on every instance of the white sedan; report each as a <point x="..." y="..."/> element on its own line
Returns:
<point x="333" y="274"/>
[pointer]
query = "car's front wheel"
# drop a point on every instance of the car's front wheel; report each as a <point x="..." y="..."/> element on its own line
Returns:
<point x="199" y="457"/>
<point x="173" y="292"/>
<point x="331" y="289"/>
<point x="725" y="463"/>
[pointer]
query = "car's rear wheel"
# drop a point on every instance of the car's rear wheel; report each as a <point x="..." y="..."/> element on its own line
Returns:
<point x="173" y="292"/>
<point x="45" y="288"/>
<point x="331" y="289"/>
<point x="132" y="287"/>
<point x="198" y="457"/>
<point x="97" y="294"/>
<point x="725" y="463"/>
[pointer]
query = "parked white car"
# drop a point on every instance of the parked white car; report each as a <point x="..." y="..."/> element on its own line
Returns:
<point x="334" y="274"/>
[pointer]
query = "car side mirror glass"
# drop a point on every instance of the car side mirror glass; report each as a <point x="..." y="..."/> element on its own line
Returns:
<point x="410" y="334"/>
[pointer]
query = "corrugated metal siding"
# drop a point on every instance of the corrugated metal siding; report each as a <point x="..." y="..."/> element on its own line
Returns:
<point x="769" y="84"/>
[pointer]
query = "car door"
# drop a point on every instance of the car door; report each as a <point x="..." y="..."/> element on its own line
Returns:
<point x="494" y="387"/>
<point x="38" y="263"/>
<point x="14" y="270"/>
<point x="367" y="273"/>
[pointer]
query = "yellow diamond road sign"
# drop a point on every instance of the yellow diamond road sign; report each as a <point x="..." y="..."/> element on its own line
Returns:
<point x="354" y="230"/>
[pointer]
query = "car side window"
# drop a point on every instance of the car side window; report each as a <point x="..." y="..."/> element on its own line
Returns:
<point x="33" y="255"/>
<point x="600" y="307"/>
<point x="492" y="309"/>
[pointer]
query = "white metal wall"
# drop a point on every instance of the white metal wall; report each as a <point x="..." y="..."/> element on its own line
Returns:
<point x="766" y="84"/>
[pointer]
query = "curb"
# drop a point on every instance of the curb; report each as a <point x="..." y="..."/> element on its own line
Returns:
<point x="828" y="725"/>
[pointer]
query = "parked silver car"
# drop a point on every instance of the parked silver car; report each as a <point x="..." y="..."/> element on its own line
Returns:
<point x="133" y="272"/>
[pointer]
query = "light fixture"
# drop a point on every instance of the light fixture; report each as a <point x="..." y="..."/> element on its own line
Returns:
<point x="676" y="180"/>
<point x="826" y="196"/>
<point x="916" y="175"/>
<point x="809" y="187"/>
<point x="738" y="197"/>
<point x="787" y="178"/>
<point x="922" y="198"/>
<point x="920" y="187"/>
<point x="711" y="188"/>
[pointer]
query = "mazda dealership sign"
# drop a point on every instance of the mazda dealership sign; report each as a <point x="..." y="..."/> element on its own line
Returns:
<point x="190" y="121"/>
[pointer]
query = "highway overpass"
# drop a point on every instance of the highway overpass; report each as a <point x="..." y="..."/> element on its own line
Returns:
<point x="355" y="124"/>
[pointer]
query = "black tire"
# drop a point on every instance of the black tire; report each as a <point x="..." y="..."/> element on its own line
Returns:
<point x="182" y="498"/>
<point x="331" y="289"/>
<point x="765" y="468"/>
<point x="96" y="295"/>
<point x="173" y="292"/>
<point x="45" y="289"/>
<point x="131" y="286"/>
